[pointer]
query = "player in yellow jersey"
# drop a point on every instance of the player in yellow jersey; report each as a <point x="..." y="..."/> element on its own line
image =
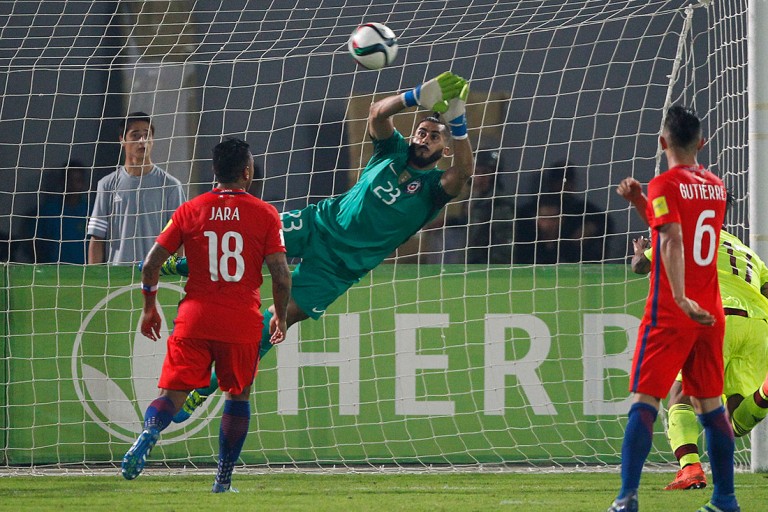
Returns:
<point x="743" y="280"/>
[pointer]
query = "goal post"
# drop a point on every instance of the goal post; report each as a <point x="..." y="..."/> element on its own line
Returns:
<point x="432" y="360"/>
<point x="757" y="49"/>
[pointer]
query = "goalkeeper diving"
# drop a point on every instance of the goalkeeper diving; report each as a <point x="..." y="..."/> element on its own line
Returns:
<point x="342" y="238"/>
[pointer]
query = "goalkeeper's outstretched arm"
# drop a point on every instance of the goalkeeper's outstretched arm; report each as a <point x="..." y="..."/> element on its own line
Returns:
<point x="463" y="167"/>
<point x="433" y="95"/>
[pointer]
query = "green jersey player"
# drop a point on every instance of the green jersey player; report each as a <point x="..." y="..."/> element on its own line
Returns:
<point x="743" y="281"/>
<point x="342" y="238"/>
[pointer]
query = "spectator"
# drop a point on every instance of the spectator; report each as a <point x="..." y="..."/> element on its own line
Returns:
<point x="133" y="203"/>
<point x="489" y="209"/>
<point x="470" y="232"/>
<point x="62" y="214"/>
<point x="570" y="227"/>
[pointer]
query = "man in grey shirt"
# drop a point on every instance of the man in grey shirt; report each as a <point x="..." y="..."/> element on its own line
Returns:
<point x="133" y="203"/>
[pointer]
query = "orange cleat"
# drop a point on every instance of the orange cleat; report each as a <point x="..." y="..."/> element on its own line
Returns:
<point x="690" y="477"/>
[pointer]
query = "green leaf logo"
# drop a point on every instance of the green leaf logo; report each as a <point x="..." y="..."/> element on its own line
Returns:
<point x="115" y="369"/>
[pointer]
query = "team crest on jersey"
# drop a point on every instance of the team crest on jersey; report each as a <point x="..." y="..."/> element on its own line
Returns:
<point x="413" y="187"/>
<point x="660" y="207"/>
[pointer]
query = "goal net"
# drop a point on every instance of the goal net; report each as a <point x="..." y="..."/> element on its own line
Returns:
<point x="479" y="342"/>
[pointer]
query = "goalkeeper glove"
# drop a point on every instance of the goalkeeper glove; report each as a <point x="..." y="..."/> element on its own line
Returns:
<point x="457" y="119"/>
<point x="173" y="266"/>
<point x="434" y="94"/>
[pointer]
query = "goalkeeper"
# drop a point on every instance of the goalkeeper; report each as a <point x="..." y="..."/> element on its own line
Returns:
<point x="341" y="238"/>
<point x="743" y="279"/>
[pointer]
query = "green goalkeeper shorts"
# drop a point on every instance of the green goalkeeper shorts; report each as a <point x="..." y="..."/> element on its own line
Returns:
<point x="321" y="277"/>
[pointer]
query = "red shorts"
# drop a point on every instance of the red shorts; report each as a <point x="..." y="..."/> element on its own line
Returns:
<point x="188" y="362"/>
<point x="661" y="352"/>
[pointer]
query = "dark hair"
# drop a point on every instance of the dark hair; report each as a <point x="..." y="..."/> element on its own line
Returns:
<point x="730" y="200"/>
<point x="435" y="118"/>
<point x="134" y="117"/>
<point x="230" y="157"/>
<point x="683" y="127"/>
<point x="55" y="180"/>
<point x="488" y="158"/>
<point x="558" y="176"/>
<point x="551" y="199"/>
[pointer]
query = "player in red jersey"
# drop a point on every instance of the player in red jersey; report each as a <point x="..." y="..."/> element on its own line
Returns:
<point x="683" y="323"/>
<point x="227" y="235"/>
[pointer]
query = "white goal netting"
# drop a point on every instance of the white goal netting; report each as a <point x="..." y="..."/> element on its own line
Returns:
<point x="479" y="341"/>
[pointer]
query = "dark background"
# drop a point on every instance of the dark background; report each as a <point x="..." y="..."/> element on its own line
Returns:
<point x="587" y="82"/>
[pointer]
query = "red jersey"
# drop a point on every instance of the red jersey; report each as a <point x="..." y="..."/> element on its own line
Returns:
<point x="226" y="235"/>
<point x="694" y="198"/>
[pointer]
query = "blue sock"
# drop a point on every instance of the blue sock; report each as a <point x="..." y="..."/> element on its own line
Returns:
<point x="234" y="428"/>
<point x="720" y="446"/>
<point x="159" y="414"/>
<point x="638" y="438"/>
<point x="265" y="344"/>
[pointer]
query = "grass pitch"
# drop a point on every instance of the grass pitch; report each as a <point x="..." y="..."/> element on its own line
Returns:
<point x="546" y="491"/>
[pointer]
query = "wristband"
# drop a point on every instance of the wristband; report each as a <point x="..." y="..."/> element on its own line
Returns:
<point x="409" y="97"/>
<point x="459" y="127"/>
<point x="147" y="289"/>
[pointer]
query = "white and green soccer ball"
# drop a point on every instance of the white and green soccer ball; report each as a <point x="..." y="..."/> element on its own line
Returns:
<point x="373" y="45"/>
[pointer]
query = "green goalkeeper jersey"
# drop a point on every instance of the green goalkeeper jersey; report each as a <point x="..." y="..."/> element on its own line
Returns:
<point x="741" y="274"/>
<point x="390" y="202"/>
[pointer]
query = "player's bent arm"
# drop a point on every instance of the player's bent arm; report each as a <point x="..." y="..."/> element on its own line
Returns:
<point x="631" y="190"/>
<point x="640" y="207"/>
<point x="454" y="179"/>
<point x="671" y="249"/>
<point x="96" y="250"/>
<point x="671" y="241"/>
<point x="640" y="264"/>
<point x="281" y="292"/>
<point x="380" y="125"/>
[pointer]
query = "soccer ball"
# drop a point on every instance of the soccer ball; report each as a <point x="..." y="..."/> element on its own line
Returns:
<point x="373" y="45"/>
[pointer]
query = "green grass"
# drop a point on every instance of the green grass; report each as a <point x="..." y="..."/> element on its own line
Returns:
<point x="551" y="492"/>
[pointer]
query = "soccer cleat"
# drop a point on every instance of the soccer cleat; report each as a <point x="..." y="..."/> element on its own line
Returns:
<point x="690" y="477"/>
<point x="628" y="504"/>
<point x="218" y="488"/>
<point x="193" y="401"/>
<point x="135" y="458"/>
<point x="709" y="507"/>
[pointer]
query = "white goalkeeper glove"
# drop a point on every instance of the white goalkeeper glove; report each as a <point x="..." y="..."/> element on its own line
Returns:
<point x="457" y="119"/>
<point x="435" y="94"/>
